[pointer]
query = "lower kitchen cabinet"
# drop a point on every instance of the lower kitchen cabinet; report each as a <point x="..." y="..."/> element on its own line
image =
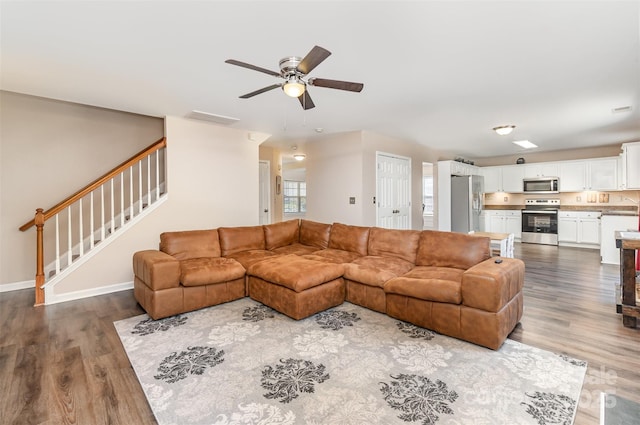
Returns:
<point x="504" y="221"/>
<point x="579" y="228"/>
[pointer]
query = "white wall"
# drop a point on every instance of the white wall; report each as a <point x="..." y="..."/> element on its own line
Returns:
<point x="212" y="176"/>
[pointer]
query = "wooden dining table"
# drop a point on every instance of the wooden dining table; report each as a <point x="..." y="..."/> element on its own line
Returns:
<point x="497" y="239"/>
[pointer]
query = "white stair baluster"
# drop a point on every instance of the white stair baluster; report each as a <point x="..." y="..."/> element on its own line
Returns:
<point x="102" y="213"/>
<point x="69" y="244"/>
<point x="140" y="186"/>
<point x="57" y="244"/>
<point x="157" y="174"/>
<point x="122" y="199"/>
<point x="113" y="221"/>
<point x="149" y="180"/>
<point x="80" y="229"/>
<point x="130" y="192"/>
<point x="92" y="238"/>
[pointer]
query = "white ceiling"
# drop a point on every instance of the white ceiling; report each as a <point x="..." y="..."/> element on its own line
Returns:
<point x="436" y="73"/>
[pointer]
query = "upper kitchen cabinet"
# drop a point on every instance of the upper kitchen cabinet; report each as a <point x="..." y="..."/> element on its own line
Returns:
<point x="595" y="174"/>
<point x="492" y="179"/>
<point x="505" y="178"/>
<point x="631" y="165"/>
<point x="541" y="169"/>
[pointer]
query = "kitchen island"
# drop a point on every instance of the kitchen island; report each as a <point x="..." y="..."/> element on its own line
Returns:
<point x="628" y="243"/>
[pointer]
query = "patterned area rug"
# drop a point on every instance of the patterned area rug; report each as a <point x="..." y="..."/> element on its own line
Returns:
<point x="244" y="363"/>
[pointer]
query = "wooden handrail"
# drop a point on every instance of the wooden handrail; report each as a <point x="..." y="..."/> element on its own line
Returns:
<point x="97" y="183"/>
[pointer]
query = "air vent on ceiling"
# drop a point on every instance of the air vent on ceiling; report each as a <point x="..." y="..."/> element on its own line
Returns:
<point x="621" y="109"/>
<point x="206" y="116"/>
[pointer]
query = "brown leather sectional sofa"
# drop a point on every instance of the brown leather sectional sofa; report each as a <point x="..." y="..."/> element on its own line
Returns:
<point x="442" y="281"/>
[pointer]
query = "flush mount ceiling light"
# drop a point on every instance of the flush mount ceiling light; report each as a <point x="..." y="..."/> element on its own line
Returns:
<point x="299" y="156"/>
<point x="503" y="130"/>
<point x="293" y="87"/>
<point x="525" y="144"/>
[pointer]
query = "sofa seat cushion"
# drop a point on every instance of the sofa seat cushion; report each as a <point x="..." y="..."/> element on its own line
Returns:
<point x="296" y="248"/>
<point x="247" y="258"/>
<point x="375" y="270"/>
<point x="330" y="255"/>
<point x="295" y="272"/>
<point x="205" y="271"/>
<point x="439" y="284"/>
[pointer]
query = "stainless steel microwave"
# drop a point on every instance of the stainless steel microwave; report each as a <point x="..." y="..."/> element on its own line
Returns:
<point x="540" y="185"/>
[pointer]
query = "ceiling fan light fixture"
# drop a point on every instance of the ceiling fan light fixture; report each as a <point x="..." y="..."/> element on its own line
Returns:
<point x="503" y="130"/>
<point x="293" y="87"/>
<point x="299" y="156"/>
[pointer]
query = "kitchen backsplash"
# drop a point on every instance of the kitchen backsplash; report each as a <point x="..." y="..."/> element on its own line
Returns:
<point x="588" y="199"/>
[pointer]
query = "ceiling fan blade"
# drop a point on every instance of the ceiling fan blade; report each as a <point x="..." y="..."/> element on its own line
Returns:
<point x="257" y="92"/>
<point x="335" y="84"/>
<point x="305" y="101"/>
<point x="313" y="59"/>
<point x="255" y="68"/>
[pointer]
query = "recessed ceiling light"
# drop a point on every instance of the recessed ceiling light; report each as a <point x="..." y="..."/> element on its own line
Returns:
<point x="503" y="130"/>
<point x="525" y="144"/>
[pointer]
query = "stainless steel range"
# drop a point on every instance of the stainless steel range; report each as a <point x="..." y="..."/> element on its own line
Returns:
<point x="540" y="221"/>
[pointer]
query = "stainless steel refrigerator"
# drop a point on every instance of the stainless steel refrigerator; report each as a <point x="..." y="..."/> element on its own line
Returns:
<point x="466" y="203"/>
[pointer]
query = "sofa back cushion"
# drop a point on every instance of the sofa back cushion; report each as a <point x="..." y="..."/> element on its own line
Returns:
<point x="190" y="244"/>
<point x="349" y="238"/>
<point x="238" y="239"/>
<point x="402" y="244"/>
<point x="450" y="249"/>
<point x="314" y="234"/>
<point x="281" y="234"/>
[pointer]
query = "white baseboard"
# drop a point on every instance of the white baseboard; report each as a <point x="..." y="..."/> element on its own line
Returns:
<point x="16" y="286"/>
<point x="53" y="298"/>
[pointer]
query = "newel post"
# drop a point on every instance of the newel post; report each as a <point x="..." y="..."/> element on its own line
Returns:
<point x="39" y="221"/>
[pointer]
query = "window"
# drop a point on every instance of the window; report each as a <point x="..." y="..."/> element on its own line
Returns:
<point x="295" y="196"/>
<point x="427" y="194"/>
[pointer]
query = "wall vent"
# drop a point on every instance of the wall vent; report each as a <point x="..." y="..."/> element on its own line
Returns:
<point x="621" y="109"/>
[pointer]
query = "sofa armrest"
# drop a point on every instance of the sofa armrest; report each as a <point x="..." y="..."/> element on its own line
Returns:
<point x="156" y="269"/>
<point x="489" y="285"/>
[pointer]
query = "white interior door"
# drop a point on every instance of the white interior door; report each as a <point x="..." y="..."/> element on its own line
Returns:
<point x="393" y="191"/>
<point x="265" y="192"/>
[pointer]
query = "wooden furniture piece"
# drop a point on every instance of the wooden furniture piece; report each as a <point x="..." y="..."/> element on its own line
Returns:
<point x="500" y="242"/>
<point x="628" y="242"/>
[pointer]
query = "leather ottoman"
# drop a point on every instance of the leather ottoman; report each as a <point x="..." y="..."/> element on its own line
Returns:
<point x="296" y="286"/>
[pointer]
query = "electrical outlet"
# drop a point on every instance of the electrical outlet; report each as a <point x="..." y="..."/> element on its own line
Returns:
<point x="578" y="198"/>
<point x="506" y="199"/>
<point x="352" y="200"/>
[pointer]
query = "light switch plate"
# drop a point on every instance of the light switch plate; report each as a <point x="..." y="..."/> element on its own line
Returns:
<point x="352" y="200"/>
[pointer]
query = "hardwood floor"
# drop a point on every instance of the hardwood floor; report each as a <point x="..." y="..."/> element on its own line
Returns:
<point x="64" y="364"/>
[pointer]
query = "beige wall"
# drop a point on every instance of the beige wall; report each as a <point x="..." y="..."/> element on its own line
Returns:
<point x="212" y="176"/>
<point x="48" y="150"/>
<point x="559" y="155"/>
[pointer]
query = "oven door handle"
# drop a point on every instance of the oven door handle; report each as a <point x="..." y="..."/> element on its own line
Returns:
<point x="539" y="212"/>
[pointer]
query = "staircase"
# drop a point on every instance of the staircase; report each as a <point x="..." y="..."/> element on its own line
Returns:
<point x="89" y="220"/>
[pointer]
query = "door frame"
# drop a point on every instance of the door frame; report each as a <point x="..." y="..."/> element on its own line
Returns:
<point x="268" y="187"/>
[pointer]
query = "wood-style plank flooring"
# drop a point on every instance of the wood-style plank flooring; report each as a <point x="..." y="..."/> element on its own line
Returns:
<point x="64" y="364"/>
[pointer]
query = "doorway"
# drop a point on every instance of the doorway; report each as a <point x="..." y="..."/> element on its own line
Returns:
<point x="428" y="222"/>
<point x="264" y="203"/>
<point x="393" y="191"/>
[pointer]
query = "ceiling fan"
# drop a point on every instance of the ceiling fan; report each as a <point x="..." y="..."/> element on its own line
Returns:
<point x="294" y="71"/>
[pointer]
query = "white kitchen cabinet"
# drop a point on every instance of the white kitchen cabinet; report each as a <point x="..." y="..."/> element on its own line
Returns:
<point x="631" y="165"/>
<point x="492" y="179"/>
<point x="579" y="228"/>
<point x="505" y="178"/>
<point x="572" y="176"/>
<point x="512" y="176"/>
<point x="609" y="253"/>
<point x="594" y="174"/>
<point x="541" y="169"/>
<point x="504" y="221"/>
